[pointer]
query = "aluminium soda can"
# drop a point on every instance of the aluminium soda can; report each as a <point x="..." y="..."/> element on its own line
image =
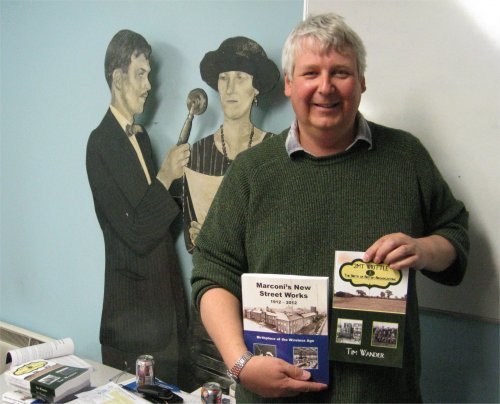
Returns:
<point x="211" y="393"/>
<point x="145" y="370"/>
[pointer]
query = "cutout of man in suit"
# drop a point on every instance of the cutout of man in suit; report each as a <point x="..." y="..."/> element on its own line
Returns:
<point x="144" y="308"/>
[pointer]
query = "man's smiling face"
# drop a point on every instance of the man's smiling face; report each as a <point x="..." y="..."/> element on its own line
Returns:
<point x="325" y="91"/>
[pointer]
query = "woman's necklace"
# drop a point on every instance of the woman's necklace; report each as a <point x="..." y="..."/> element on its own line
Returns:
<point x="224" y="151"/>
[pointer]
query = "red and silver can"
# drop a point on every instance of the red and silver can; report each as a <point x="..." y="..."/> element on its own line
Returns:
<point x="145" y="370"/>
<point x="211" y="393"/>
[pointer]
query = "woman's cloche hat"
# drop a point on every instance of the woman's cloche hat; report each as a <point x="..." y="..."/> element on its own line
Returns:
<point x="244" y="55"/>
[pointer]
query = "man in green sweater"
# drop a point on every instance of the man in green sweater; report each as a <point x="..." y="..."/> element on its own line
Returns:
<point x="333" y="181"/>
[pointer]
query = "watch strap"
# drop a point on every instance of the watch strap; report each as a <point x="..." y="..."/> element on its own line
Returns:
<point x="234" y="372"/>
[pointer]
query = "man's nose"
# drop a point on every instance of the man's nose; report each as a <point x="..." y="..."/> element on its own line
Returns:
<point x="326" y="85"/>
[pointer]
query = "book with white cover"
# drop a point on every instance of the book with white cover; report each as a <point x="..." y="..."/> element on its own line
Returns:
<point x="286" y="316"/>
<point x="20" y="397"/>
<point x="369" y="309"/>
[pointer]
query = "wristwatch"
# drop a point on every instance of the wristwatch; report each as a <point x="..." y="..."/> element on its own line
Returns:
<point x="234" y="372"/>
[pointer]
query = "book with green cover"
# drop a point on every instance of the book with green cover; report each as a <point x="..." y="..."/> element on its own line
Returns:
<point x="47" y="380"/>
<point x="369" y="310"/>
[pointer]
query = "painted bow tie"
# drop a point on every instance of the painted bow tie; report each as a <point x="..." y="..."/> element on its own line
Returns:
<point x="133" y="129"/>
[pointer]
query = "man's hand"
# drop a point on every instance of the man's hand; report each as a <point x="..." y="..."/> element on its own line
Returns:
<point x="264" y="375"/>
<point x="401" y="251"/>
<point x="273" y="377"/>
<point x="173" y="164"/>
<point x="194" y="230"/>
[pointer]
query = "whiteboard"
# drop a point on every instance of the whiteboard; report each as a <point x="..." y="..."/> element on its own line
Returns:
<point x="433" y="69"/>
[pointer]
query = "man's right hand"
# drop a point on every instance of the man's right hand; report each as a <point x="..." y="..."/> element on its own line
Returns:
<point x="173" y="164"/>
<point x="273" y="377"/>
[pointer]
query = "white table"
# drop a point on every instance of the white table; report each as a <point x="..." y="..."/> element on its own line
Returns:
<point x="103" y="374"/>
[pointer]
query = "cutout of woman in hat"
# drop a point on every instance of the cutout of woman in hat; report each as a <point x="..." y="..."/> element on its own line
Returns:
<point x="240" y="71"/>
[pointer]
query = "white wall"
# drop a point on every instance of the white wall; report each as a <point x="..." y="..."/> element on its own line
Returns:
<point x="433" y="70"/>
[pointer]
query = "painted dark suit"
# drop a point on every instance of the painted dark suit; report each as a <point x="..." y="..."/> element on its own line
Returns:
<point x="143" y="293"/>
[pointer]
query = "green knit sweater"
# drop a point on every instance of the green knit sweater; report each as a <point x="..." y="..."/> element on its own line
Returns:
<point x="279" y="214"/>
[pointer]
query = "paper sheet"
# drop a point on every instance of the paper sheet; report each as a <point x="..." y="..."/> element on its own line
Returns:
<point x="109" y="393"/>
<point x="202" y="188"/>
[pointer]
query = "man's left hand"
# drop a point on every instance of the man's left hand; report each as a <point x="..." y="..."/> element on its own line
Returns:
<point x="401" y="251"/>
<point x="173" y="164"/>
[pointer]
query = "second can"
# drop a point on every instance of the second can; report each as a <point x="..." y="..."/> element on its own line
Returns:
<point x="145" y="370"/>
<point x="211" y="393"/>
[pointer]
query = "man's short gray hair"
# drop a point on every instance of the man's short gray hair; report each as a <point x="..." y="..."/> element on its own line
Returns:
<point x="329" y="31"/>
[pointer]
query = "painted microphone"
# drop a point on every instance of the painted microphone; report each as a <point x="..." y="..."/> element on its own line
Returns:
<point x="197" y="101"/>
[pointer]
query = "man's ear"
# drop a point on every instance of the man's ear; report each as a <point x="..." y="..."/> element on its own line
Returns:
<point x="117" y="79"/>
<point x="288" y="90"/>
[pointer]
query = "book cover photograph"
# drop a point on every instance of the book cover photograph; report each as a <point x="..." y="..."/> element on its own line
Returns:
<point x="369" y="309"/>
<point x="286" y="316"/>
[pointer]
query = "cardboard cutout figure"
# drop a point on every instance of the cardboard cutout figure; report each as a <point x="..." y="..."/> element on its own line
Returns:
<point x="144" y="307"/>
<point x="240" y="71"/>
